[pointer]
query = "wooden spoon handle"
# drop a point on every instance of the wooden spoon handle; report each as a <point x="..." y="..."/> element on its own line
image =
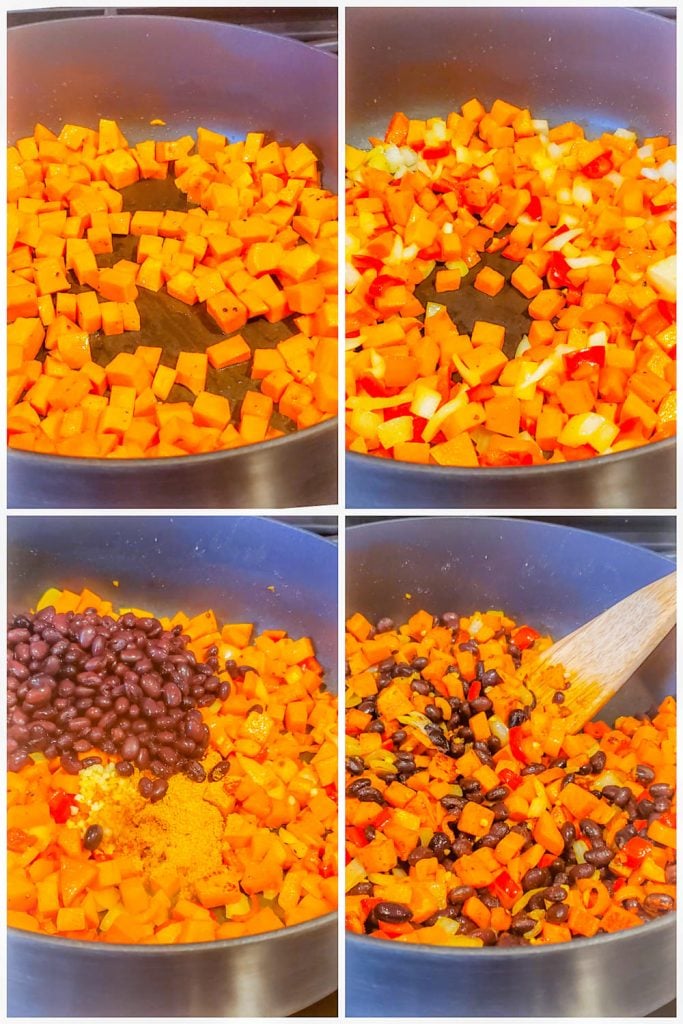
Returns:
<point x="600" y="656"/>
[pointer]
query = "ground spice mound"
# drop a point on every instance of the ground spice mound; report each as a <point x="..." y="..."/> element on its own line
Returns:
<point x="184" y="830"/>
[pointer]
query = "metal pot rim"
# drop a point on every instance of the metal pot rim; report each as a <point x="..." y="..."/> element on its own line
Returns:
<point x="510" y="521"/>
<point x="165" y="19"/>
<point x="465" y="473"/>
<point x="167" y="949"/>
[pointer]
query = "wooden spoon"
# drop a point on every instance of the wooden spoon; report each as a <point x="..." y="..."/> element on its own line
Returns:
<point x="600" y="656"/>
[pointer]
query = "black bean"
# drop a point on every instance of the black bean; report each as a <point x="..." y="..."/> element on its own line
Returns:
<point x="355" y="765"/>
<point x="557" y="913"/>
<point x="385" y="625"/>
<point x="590" y="828"/>
<point x="392" y="913"/>
<point x="598" y="761"/>
<point x="658" y="903"/>
<point x="661" y="789"/>
<point x="568" y="832"/>
<point x="158" y="790"/>
<point x="420" y="853"/>
<point x="361" y="889"/>
<point x="370" y="795"/>
<point x="460" y="894"/>
<point x="599" y="858"/>
<point x="644" y="774"/>
<point x="499" y="793"/>
<point x="521" y="923"/>
<point x="533" y="879"/>
<point x="555" y="893"/>
<point x="94" y="835"/>
<point x="578" y="871"/>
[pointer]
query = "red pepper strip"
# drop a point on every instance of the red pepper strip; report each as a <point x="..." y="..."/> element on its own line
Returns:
<point x="397" y="132"/>
<point x="509" y="778"/>
<point x="367" y="263"/>
<point x="667" y="309"/>
<point x="636" y="850"/>
<point x="368" y="903"/>
<point x="595" y="356"/>
<point x="436" y="152"/>
<point x="498" y="459"/>
<point x="546" y="860"/>
<point x="619" y="884"/>
<point x="534" y="209"/>
<point x="356" y="835"/>
<point x="474" y="690"/>
<point x="60" y="806"/>
<point x="373" y="387"/>
<point x="382" y="818"/>
<point x="432" y="252"/>
<point x="557" y="272"/>
<point x="505" y="889"/>
<point x="515" y="738"/>
<point x="381" y="283"/>
<point x="480" y="393"/>
<point x="524" y="636"/>
<point x="599" y="167"/>
<point x="668" y="819"/>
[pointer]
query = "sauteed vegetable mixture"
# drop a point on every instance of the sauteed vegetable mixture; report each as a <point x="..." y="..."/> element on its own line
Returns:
<point x="259" y="239"/>
<point x="170" y="780"/>
<point x="589" y="228"/>
<point x="473" y="818"/>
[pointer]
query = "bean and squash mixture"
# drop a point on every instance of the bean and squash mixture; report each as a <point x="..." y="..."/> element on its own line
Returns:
<point x="472" y="817"/>
<point x="169" y="780"/>
<point x="588" y="228"/>
<point x="258" y="240"/>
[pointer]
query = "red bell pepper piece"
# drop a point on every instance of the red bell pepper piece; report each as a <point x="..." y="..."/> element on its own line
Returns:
<point x="474" y="690"/>
<point x="509" y="778"/>
<point x="498" y="459"/>
<point x="595" y="356"/>
<point x="524" y="636"/>
<point x="599" y="167"/>
<point x="667" y="309"/>
<point x="557" y="272"/>
<point x="636" y="850"/>
<point x="534" y="209"/>
<point x="480" y="393"/>
<point x="382" y="818"/>
<point x="436" y="152"/>
<point x="668" y="819"/>
<point x="60" y="806"/>
<point x="505" y="889"/>
<point x="372" y="386"/>
<point x="546" y="860"/>
<point x="367" y="263"/>
<point x="356" y="835"/>
<point x="381" y="283"/>
<point x="515" y="738"/>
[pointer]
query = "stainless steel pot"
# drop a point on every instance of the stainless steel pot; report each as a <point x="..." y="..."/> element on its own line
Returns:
<point x="165" y="564"/>
<point x="189" y="73"/>
<point x="603" y="67"/>
<point x="554" y="578"/>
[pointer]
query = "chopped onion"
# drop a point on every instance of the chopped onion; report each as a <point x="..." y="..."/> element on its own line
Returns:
<point x="580" y="849"/>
